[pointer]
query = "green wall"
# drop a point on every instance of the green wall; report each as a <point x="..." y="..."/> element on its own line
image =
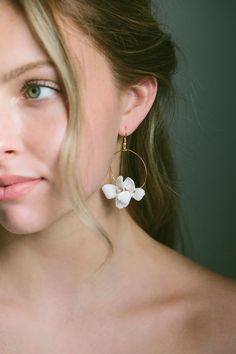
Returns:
<point x="204" y="131"/>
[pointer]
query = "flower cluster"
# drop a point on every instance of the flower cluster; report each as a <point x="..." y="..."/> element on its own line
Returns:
<point x="123" y="191"/>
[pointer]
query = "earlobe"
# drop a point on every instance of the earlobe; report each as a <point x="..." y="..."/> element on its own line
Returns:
<point x="139" y="99"/>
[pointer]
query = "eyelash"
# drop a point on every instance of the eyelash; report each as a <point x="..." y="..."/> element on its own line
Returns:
<point x="42" y="83"/>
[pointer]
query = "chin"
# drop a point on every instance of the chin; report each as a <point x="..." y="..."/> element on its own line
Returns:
<point x="22" y="221"/>
<point x="15" y="229"/>
<point x="19" y="227"/>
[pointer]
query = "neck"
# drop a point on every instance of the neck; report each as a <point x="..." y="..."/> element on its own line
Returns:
<point x="62" y="260"/>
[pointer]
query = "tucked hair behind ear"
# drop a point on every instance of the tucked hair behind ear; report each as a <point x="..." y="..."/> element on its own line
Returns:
<point x="128" y="34"/>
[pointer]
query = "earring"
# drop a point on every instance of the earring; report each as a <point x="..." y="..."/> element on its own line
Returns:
<point x="123" y="191"/>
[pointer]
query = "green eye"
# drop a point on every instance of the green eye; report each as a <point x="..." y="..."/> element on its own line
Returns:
<point x="39" y="90"/>
<point x="33" y="91"/>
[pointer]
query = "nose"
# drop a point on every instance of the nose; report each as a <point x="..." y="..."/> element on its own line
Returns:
<point x="4" y="152"/>
<point x="9" y="134"/>
<point x="7" y="147"/>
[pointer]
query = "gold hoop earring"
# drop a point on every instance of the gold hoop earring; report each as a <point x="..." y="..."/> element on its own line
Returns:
<point x="123" y="191"/>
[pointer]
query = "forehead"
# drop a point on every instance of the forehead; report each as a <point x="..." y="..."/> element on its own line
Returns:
<point x="87" y="58"/>
<point x="19" y="46"/>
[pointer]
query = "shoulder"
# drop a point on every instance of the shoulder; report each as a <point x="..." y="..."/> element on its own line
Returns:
<point x="189" y="309"/>
<point x="199" y="319"/>
<point x="196" y="323"/>
<point x="215" y="312"/>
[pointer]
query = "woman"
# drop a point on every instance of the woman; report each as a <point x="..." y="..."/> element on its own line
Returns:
<point x="80" y="271"/>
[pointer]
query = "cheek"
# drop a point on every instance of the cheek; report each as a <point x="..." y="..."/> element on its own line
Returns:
<point x="43" y="132"/>
<point x="98" y="140"/>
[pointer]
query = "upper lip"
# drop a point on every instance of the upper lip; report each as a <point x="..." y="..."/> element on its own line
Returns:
<point x="11" y="179"/>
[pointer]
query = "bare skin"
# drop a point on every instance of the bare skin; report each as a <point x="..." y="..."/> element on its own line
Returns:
<point x="145" y="299"/>
<point x="54" y="295"/>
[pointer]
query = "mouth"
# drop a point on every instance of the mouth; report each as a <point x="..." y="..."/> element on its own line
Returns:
<point x="14" y="191"/>
<point x="9" y="180"/>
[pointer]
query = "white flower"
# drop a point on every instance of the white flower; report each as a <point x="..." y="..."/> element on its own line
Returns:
<point x="123" y="191"/>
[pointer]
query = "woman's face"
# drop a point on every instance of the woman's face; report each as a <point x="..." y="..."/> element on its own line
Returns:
<point x="33" y="121"/>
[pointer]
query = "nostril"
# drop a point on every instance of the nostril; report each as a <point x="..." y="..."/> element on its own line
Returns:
<point x="5" y="152"/>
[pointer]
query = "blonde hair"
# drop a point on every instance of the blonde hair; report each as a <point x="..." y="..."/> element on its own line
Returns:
<point x="128" y="34"/>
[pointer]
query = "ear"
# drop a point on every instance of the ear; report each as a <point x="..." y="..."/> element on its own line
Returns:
<point x="138" y="100"/>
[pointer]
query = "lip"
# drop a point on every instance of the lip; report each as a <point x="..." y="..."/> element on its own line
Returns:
<point x="13" y="187"/>
<point x="13" y="179"/>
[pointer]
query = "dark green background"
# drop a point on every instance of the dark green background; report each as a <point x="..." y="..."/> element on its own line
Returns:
<point x="204" y="132"/>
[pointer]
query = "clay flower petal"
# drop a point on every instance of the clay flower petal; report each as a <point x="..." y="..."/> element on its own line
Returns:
<point x="129" y="184"/>
<point x="123" y="199"/>
<point x="109" y="190"/>
<point x="138" y="194"/>
<point x="123" y="191"/>
<point x="119" y="182"/>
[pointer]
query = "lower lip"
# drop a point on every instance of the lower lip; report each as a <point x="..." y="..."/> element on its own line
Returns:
<point x="17" y="190"/>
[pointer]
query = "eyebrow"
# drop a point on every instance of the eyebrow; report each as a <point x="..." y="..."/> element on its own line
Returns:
<point x="15" y="73"/>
